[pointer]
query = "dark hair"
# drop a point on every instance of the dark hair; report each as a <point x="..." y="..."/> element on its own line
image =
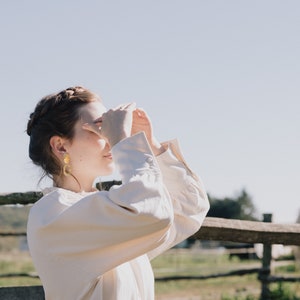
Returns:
<point x="55" y="114"/>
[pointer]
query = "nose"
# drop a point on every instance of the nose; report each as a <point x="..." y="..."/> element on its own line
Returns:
<point x="107" y="145"/>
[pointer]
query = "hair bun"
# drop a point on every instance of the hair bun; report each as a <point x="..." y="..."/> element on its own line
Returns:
<point x="49" y="102"/>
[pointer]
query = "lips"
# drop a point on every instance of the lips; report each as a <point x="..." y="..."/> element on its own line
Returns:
<point x="109" y="155"/>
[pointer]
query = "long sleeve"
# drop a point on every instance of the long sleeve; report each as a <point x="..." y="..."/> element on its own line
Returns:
<point x="103" y="229"/>
<point x="189" y="198"/>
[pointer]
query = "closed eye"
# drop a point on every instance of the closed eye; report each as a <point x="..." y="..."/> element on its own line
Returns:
<point x="98" y="121"/>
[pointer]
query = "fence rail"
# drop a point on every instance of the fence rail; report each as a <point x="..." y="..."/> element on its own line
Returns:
<point x="217" y="229"/>
<point x="251" y="232"/>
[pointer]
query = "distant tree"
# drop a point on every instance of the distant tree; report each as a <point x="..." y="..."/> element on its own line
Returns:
<point x="240" y="207"/>
<point x="297" y="248"/>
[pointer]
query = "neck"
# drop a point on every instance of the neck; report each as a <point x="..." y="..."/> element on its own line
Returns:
<point x="71" y="183"/>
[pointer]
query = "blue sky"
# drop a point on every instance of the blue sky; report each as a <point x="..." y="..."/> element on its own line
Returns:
<point x="221" y="76"/>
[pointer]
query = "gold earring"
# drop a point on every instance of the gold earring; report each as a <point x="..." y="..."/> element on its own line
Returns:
<point x="66" y="166"/>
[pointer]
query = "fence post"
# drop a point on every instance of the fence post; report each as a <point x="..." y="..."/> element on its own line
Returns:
<point x="266" y="265"/>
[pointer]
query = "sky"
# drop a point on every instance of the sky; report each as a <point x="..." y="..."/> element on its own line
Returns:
<point x="223" y="77"/>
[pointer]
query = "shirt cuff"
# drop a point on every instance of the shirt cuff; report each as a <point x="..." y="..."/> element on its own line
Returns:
<point x="133" y="156"/>
<point x="174" y="154"/>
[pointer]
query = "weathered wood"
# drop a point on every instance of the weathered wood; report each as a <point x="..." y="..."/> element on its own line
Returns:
<point x="272" y="279"/>
<point x="22" y="292"/>
<point x="32" y="196"/>
<point x="28" y="275"/>
<point x="220" y="229"/>
<point x="266" y="265"/>
<point x="241" y="231"/>
<point x="20" y="198"/>
<point x="12" y="233"/>
<point x="240" y="272"/>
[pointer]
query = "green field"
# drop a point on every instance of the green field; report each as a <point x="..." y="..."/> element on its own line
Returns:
<point x="196" y="262"/>
<point x="179" y="262"/>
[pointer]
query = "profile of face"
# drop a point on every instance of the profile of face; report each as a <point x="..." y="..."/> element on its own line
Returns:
<point x="66" y="140"/>
<point x="89" y="152"/>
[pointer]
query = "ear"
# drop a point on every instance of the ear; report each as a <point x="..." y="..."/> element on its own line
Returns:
<point x="57" y="145"/>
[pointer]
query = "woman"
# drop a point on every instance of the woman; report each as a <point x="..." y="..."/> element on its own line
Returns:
<point x="90" y="244"/>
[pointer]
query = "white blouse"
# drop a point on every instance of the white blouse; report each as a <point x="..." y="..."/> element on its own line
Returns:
<point x="99" y="245"/>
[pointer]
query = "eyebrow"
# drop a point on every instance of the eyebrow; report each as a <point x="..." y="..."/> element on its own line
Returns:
<point x="98" y="120"/>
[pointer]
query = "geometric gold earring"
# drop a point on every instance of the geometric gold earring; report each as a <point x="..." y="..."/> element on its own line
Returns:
<point x="66" y="167"/>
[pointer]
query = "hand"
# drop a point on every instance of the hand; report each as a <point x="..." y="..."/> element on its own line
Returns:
<point x="114" y="125"/>
<point x="142" y="122"/>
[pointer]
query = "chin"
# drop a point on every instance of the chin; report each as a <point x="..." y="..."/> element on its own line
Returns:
<point x="109" y="170"/>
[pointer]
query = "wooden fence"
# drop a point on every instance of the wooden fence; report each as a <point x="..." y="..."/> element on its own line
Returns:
<point x="216" y="229"/>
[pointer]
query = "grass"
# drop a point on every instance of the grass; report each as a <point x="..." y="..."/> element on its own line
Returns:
<point x="181" y="262"/>
<point x="17" y="262"/>
<point x="193" y="263"/>
<point x="197" y="262"/>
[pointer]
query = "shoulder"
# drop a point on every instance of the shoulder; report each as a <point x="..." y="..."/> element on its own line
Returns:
<point x="54" y="202"/>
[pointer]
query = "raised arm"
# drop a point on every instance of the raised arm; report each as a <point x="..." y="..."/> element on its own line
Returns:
<point x="189" y="198"/>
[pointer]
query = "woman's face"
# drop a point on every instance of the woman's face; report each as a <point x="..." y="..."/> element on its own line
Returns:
<point x="90" y="154"/>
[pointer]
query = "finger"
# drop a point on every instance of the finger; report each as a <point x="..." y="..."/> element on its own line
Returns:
<point x="140" y="112"/>
<point x="119" y="106"/>
<point x="128" y="106"/>
<point x="137" y="112"/>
